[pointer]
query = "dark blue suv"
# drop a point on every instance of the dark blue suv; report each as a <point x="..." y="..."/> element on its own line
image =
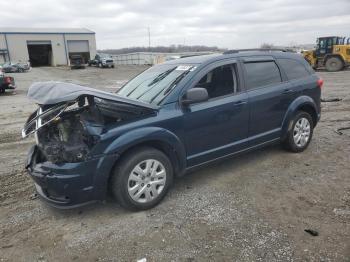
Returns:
<point x="169" y="119"/>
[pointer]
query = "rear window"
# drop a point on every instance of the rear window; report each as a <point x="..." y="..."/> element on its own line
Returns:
<point x="293" y="68"/>
<point x="262" y="74"/>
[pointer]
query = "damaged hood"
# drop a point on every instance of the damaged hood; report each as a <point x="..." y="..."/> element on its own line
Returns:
<point x="56" y="98"/>
<point x="50" y="93"/>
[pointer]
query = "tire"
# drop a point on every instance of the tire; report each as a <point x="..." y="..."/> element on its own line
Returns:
<point x="112" y="66"/>
<point x="2" y="90"/>
<point x="334" y="64"/>
<point x="301" y="128"/>
<point x="133" y="189"/>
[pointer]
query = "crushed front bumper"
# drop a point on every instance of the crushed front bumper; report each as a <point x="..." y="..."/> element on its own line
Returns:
<point x="70" y="185"/>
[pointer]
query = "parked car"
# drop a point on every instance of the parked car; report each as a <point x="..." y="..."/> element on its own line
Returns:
<point x="102" y="60"/>
<point x="6" y="82"/>
<point x="15" y="68"/>
<point x="77" y="62"/>
<point x="172" y="118"/>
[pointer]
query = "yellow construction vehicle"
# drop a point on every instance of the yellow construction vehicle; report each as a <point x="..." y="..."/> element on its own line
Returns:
<point x="331" y="52"/>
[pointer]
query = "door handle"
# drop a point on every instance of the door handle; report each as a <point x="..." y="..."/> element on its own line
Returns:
<point x="287" y="91"/>
<point x="240" y="103"/>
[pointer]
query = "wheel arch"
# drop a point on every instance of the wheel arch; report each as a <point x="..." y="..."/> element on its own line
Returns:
<point x="328" y="56"/>
<point x="162" y="146"/>
<point x="156" y="137"/>
<point x="303" y="103"/>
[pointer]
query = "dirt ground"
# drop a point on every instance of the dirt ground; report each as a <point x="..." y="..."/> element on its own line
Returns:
<point x="250" y="208"/>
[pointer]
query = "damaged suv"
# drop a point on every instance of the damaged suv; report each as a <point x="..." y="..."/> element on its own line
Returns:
<point x="171" y="118"/>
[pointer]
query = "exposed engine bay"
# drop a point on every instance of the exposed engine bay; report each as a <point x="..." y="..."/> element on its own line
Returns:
<point x="66" y="131"/>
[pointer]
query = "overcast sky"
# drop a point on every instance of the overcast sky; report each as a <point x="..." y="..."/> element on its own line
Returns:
<point x="224" y="23"/>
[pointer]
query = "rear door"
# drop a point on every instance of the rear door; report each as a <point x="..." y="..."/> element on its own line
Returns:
<point x="269" y="97"/>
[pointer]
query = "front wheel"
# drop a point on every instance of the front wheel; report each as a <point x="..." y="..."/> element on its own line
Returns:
<point x="142" y="178"/>
<point x="300" y="134"/>
<point x="334" y="64"/>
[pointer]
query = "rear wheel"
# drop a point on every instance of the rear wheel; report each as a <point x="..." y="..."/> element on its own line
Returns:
<point x="334" y="64"/>
<point x="142" y="178"/>
<point x="300" y="134"/>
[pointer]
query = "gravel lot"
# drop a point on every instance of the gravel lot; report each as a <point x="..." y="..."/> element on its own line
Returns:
<point x="250" y="208"/>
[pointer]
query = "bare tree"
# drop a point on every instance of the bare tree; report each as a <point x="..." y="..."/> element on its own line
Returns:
<point x="163" y="49"/>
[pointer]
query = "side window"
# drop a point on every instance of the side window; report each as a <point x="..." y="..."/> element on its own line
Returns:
<point x="293" y="68"/>
<point x="262" y="74"/>
<point x="220" y="81"/>
<point x="329" y="42"/>
<point x="322" y="43"/>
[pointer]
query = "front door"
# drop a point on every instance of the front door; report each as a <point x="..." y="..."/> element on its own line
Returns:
<point x="219" y="126"/>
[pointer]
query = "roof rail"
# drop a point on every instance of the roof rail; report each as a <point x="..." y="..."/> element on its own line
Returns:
<point x="258" y="49"/>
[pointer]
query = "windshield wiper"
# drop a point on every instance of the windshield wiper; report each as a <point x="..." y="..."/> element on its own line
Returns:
<point x="156" y="80"/>
<point x="161" y="76"/>
<point x="167" y="90"/>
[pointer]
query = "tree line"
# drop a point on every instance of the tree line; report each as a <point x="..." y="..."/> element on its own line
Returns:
<point x="163" y="49"/>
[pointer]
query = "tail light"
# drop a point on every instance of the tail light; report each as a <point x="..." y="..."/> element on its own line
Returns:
<point x="8" y="80"/>
<point x="320" y="82"/>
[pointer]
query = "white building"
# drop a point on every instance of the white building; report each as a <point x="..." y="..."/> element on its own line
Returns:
<point x="45" y="46"/>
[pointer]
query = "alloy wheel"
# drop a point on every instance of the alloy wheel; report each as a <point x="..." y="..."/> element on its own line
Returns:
<point x="146" y="181"/>
<point x="301" y="132"/>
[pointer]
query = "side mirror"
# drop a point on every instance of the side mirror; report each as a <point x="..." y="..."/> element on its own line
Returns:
<point x="195" y="95"/>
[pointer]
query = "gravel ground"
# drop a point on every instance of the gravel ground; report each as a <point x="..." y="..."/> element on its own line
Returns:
<point x="250" y="208"/>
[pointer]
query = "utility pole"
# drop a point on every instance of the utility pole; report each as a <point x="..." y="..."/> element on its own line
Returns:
<point x="149" y="46"/>
<point x="149" y="38"/>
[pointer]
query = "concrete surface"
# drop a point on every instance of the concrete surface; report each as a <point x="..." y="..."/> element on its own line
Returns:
<point x="250" y="208"/>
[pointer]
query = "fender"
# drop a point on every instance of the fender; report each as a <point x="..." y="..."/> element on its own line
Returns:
<point x="292" y="109"/>
<point x="147" y="134"/>
<point x="338" y="55"/>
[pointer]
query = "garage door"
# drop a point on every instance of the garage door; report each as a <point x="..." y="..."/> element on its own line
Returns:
<point x="78" y="46"/>
<point x="38" y="42"/>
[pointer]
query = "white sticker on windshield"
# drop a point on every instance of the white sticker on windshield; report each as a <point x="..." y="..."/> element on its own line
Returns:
<point x="183" y="67"/>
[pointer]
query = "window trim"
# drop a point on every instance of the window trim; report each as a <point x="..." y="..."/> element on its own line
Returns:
<point x="250" y="61"/>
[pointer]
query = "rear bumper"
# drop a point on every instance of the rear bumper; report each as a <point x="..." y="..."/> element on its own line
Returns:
<point x="70" y="185"/>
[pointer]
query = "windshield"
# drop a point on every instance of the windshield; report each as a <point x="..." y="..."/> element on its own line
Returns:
<point x="154" y="84"/>
<point x="104" y="56"/>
